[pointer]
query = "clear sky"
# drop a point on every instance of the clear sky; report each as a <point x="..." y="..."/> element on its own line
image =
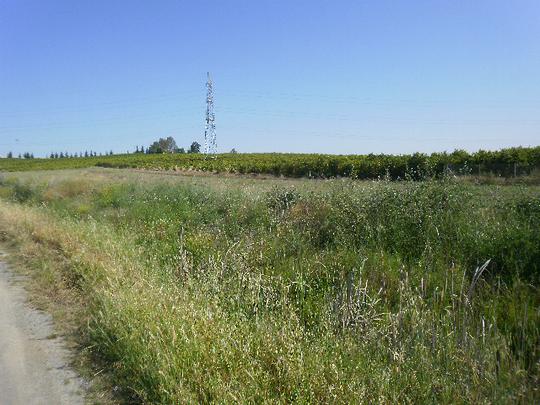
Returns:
<point x="292" y="76"/>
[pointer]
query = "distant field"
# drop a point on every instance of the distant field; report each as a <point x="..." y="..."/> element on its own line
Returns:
<point x="506" y="163"/>
<point x="199" y="289"/>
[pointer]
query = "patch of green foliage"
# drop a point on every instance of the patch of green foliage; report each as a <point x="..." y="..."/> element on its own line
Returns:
<point x="505" y="162"/>
<point x="341" y="292"/>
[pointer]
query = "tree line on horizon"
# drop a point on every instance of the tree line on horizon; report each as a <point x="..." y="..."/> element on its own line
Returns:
<point x="25" y="155"/>
<point x="163" y="145"/>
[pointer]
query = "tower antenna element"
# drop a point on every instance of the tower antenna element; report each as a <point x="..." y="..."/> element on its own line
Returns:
<point x="210" y="144"/>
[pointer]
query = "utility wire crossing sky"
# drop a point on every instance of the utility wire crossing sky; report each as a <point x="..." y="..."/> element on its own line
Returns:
<point x="341" y="77"/>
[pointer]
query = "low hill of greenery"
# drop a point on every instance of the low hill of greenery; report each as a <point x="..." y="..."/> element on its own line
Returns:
<point x="505" y="162"/>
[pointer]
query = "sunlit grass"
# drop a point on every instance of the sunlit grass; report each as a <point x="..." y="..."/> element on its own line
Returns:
<point x="237" y="290"/>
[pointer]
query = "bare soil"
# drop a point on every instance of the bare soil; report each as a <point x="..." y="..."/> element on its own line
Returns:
<point x="34" y="362"/>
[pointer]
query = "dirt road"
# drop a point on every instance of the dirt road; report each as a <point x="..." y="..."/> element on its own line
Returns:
<point x="33" y="366"/>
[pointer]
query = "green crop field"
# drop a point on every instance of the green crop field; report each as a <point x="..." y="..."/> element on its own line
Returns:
<point x="506" y="162"/>
<point x="232" y="289"/>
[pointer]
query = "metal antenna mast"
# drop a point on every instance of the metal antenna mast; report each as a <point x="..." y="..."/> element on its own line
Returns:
<point x="210" y="144"/>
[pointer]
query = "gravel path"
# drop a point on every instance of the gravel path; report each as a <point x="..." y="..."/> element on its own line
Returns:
<point x="34" y="367"/>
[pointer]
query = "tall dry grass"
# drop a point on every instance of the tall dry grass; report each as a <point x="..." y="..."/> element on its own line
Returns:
<point x="343" y="293"/>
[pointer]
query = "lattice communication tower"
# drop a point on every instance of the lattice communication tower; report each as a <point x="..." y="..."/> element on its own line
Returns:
<point x="210" y="144"/>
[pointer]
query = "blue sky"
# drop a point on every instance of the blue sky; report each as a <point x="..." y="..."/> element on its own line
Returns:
<point x="290" y="76"/>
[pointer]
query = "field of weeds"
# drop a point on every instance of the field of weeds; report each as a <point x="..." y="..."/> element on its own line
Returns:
<point x="208" y="289"/>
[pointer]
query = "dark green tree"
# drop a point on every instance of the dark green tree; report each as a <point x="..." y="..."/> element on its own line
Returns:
<point x="195" y="147"/>
<point x="155" y="148"/>
<point x="164" y="145"/>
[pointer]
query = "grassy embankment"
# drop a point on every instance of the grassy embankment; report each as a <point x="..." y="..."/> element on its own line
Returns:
<point x="212" y="289"/>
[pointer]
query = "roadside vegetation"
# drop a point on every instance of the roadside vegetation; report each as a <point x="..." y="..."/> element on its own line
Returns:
<point x="240" y="290"/>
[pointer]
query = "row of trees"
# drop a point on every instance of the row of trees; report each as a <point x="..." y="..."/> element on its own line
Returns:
<point x="61" y="155"/>
<point x="163" y="145"/>
<point x="25" y="155"/>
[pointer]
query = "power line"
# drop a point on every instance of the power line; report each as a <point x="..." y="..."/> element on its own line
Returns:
<point x="99" y="105"/>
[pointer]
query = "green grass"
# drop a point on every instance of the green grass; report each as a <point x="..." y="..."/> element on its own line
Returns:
<point x="209" y="289"/>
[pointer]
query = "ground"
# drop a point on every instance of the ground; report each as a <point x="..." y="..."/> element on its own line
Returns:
<point x="34" y="362"/>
